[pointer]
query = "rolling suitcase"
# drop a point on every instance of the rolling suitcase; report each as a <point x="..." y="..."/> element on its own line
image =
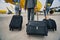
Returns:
<point x="37" y="28"/>
<point x="51" y="24"/>
<point x="16" y="22"/>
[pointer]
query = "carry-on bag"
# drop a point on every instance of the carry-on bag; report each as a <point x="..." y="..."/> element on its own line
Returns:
<point x="16" y="22"/>
<point x="37" y="28"/>
<point x="51" y="24"/>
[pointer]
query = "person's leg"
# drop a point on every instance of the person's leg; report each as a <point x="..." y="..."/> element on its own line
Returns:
<point x="47" y="11"/>
<point x="32" y="14"/>
<point x="48" y="8"/>
<point x="45" y="14"/>
<point x="29" y="10"/>
<point x="28" y="15"/>
<point x="16" y="12"/>
<point x="19" y="12"/>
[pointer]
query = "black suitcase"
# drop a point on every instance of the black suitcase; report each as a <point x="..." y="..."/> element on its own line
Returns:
<point x="51" y="24"/>
<point x="16" y="22"/>
<point x="37" y="28"/>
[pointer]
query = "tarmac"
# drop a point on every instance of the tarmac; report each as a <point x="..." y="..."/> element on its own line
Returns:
<point x="6" y="34"/>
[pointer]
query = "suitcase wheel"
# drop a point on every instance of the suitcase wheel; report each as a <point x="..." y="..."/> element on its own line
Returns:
<point x="55" y="29"/>
<point x="11" y="29"/>
<point x="19" y="29"/>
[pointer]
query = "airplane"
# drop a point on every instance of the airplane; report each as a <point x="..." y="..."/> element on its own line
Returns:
<point x="3" y="11"/>
<point x="40" y="4"/>
<point x="3" y="8"/>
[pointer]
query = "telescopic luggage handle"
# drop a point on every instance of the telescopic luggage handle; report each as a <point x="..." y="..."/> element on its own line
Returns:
<point x="37" y="15"/>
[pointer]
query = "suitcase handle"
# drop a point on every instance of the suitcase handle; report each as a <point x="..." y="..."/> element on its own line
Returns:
<point x="37" y="16"/>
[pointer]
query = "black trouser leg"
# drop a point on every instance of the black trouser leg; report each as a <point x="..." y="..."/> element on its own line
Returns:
<point x="32" y="14"/>
<point x="19" y="12"/>
<point x="29" y="10"/>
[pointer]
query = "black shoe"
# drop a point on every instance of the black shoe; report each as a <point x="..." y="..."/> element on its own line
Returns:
<point x="26" y="24"/>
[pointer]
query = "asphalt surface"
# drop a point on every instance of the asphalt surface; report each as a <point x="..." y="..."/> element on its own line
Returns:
<point x="6" y="34"/>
